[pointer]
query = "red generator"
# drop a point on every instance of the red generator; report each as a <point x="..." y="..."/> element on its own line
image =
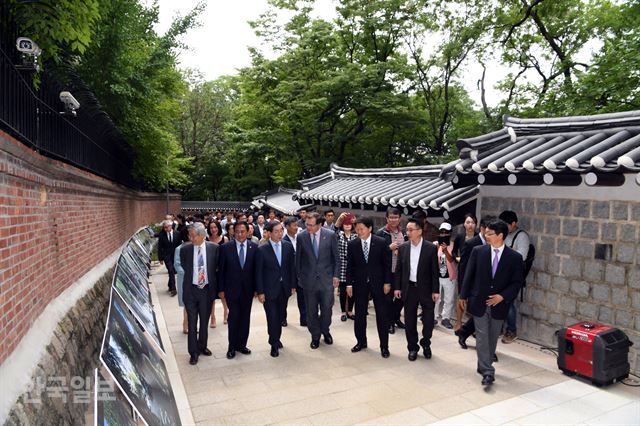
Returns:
<point x="595" y="351"/>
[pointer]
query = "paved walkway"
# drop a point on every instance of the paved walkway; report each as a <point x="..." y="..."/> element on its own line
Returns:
<point x="332" y="386"/>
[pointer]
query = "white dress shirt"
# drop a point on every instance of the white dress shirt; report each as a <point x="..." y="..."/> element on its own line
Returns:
<point x="414" y="258"/>
<point x="293" y="240"/>
<point x="203" y="247"/>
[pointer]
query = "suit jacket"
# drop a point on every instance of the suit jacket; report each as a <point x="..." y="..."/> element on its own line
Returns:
<point x="376" y="272"/>
<point x="465" y="254"/>
<point x="317" y="273"/>
<point x="272" y="278"/>
<point x="186" y="262"/>
<point x="427" y="274"/>
<point x="234" y="280"/>
<point x="166" y="249"/>
<point x="256" y="231"/>
<point x="286" y="238"/>
<point x="478" y="283"/>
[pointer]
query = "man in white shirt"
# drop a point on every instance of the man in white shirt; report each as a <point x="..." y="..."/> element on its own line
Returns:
<point x="416" y="282"/>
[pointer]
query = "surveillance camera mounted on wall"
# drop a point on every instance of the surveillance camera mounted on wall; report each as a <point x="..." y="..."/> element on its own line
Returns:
<point x="29" y="54"/>
<point x="70" y="104"/>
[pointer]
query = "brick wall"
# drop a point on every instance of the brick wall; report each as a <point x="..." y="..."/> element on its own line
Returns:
<point x="56" y="223"/>
<point x="567" y="283"/>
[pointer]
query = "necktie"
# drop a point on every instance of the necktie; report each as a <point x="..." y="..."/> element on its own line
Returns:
<point x="241" y="255"/>
<point x="365" y="250"/>
<point x="494" y="265"/>
<point x="315" y="245"/>
<point x="278" y="254"/>
<point x="201" y="280"/>
<point x="170" y="238"/>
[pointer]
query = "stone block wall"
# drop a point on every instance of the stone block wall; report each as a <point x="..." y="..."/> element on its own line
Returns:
<point x="55" y="397"/>
<point x="56" y="223"/>
<point x="568" y="284"/>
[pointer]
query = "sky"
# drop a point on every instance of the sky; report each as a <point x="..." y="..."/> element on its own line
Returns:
<point x="220" y="45"/>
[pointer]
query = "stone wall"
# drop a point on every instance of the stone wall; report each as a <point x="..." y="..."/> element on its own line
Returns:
<point x="54" y="399"/>
<point x="567" y="283"/>
<point x="56" y="223"/>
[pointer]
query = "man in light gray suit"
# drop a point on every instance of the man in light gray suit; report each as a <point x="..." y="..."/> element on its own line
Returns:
<point x="318" y="268"/>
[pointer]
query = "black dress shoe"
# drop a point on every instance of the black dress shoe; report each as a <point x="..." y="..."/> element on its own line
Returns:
<point x="351" y="317"/>
<point x="495" y="358"/>
<point x="487" y="380"/>
<point x="328" y="339"/>
<point x="413" y="355"/>
<point x="193" y="360"/>
<point x="284" y="323"/>
<point x="392" y="329"/>
<point x="173" y="293"/>
<point x="231" y="354"/>
<point x="245" y="351"/>
<point x="358" y="347"/>
<point x="280" y="345"/>
<point x="206" y="352"/>
<point x="400" y="325"/>
<point x="303" y="323"/>
<point x="462" y="340"/>
<point x="384" y="352"/>
<point x="343" y="318"/>
<point x="427" y="352"/>
<point x="315" y="344"/>
<point x="274" y="351"/>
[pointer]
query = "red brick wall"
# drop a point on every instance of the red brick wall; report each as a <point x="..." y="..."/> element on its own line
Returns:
<point x="56" y="223"/>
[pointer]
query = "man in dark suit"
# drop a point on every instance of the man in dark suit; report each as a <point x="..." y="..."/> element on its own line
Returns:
<point x="236" y="277"/>
<point x="168" y="240"/>
<point x="275" y="280"/>
<point x="258" y="227"/>
<point x="318" y="268"/>
<point x="369" y="272"/>
<point x="417" y="282"/>
<point x="492" y="280"/>
<point x="199" y="259"/>
<point x="291" y="235"/>
<point x="468" y="328"/>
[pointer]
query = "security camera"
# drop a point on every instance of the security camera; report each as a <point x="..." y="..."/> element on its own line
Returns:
<point x="30" y="52"/>
<point x="70" y="103"/>
<point x="27" y="46"/>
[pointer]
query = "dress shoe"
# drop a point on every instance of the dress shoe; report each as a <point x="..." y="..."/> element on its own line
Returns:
<point x="193" y="360"/>
<point x="280" y="345"/>
<point x="231" y="354"/>
<point x="462" y="340"/>
<point x="328" y="339"/>
<point x="392" y="329"/>
<point x="245" y="351"/>
<point x="384" y="352"/>
<point x="173" y="293"/>
<point x="400" y="325"/>
<point x="495" y="358"/>
<point x="487" y="380"/>
<point x="303" y="323"/>
<point x="343" y="318"/>
<point x="413" y="355"/>
<point x="351" y="317"/>
<point x="206" y="352"/>
<point x="284" y="323"/>
<point x="447" y="324"/>
<point x="427" y="352"/>
<point x="274" y="351"/>
<point x="358" y="347"/>
<point x="315" y="344"/>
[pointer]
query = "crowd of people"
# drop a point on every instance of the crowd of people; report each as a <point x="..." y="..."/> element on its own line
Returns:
<point x="411" y="272"/>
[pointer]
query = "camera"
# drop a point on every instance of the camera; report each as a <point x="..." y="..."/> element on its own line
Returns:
<point x="30" y="52"/>
<point x="70" y="103"/>
<point x="444" y="239"/>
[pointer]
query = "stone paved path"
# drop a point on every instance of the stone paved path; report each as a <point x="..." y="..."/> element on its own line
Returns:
<point x="332" y="386"/>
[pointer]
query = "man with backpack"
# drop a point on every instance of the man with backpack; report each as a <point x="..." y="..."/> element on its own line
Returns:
<point x="518" y="239"/>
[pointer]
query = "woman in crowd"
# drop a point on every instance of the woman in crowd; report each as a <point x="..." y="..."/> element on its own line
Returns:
<point x="215" y="236"/>
<point x="344" y="228"/>
<point x="470" y="225"/>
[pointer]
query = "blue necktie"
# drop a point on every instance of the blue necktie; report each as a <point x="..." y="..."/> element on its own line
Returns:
<point x="365" y="250"/>
<point x="278" y="255"/>
<point x="241" y="255"/>
<point x="315" y="244"/>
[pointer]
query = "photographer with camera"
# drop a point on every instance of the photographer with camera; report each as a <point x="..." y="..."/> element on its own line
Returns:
<point x="448" y="273"/>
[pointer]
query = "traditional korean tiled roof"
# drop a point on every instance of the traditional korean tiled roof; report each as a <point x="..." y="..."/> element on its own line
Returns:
<point x="280" y="200"/>
<point x="420" y="187"/>
<point x="606" y="143"/>
<point x="216" y="205"/>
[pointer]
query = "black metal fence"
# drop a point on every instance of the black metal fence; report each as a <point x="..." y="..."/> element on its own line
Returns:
<point x="32" y="115"/>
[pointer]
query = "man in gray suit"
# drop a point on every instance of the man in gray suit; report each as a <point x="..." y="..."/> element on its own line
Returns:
<point x="318" y="268"/>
